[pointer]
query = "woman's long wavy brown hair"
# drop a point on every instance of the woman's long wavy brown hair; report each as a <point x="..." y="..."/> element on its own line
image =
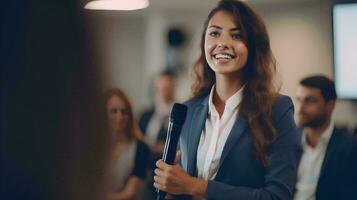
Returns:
<point x="132" y="131"/>
<point x="259" y="93"/>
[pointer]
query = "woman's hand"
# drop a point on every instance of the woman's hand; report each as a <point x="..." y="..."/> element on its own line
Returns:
<point x="174" y="180"/>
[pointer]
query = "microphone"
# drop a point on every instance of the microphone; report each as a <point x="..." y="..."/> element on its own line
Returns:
<point x="176" y="120"/>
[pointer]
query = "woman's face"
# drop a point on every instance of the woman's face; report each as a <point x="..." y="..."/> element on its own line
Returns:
<point x="118" y="114"/>
<point x="225" y="50"/>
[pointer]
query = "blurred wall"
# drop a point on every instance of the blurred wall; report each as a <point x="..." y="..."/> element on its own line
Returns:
<point x="135" y="44"/>
<point x="119" y="42"/>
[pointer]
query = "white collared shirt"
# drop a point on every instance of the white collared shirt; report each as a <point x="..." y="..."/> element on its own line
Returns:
<point x="157" y="121"/>
<point x="215" y="134"/>
<point x="310" y="166"/>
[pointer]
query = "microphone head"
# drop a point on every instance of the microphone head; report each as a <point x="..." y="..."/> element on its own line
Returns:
<point x="178" y="114"/>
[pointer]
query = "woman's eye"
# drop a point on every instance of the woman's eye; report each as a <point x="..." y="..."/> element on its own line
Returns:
<point x="114" y="110"/>
<point x="213" y="33"/>
<point x="237" y="36"/>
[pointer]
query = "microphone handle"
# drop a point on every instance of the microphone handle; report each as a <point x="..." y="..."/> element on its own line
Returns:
<point x="173" y="134"/>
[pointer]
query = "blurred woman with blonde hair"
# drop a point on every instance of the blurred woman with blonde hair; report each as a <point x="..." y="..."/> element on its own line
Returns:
<point x="130" y="154"/>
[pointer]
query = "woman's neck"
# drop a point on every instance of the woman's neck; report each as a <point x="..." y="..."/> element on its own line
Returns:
<point x="122" y="138"/>
<point x="226" y="86"/>
<point x="121" y="141"/>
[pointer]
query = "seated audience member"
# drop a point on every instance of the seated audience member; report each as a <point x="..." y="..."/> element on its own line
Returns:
<point x="130" y="154"/>
<point x="327" y="169"/>
<point x="153" y="122"/>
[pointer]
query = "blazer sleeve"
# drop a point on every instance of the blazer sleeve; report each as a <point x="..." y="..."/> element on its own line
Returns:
<point x="141" y="160"/>
<point x="280" y="173"/>
<point x="349" y="177"/>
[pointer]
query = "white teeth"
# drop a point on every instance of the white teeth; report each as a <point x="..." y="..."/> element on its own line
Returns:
<point x="223" y="56"/>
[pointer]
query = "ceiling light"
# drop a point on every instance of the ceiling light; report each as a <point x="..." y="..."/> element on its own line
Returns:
<point x="117" y="4"/>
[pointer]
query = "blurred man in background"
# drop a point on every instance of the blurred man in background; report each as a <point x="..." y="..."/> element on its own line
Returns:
<point x="327" y="167"/>
<point x="153" y="122"/>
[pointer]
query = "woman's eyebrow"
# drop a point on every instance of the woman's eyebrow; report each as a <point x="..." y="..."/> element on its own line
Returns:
<point x="218" y="27"/>
<point x="215" y="26"/>
<point x="235" y="29"/>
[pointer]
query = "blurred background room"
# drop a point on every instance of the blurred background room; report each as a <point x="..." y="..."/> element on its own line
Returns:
<point x="135" y="45"/>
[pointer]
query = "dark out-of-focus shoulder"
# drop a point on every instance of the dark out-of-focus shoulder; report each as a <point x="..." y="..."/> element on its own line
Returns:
<point x="141" y="160"/>
<point x="142" y="146"/>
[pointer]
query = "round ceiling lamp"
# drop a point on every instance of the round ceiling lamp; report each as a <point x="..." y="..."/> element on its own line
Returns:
<point x="117" y="4"/>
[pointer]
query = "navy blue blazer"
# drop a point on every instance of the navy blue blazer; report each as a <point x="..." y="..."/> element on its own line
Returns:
<point x="143" y="125"/>
<point x="240" y="175"/>
<point x="338" y="175"/>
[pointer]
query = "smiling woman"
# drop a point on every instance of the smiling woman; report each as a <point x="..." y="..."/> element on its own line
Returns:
<point x="224" y="48"/>
<point x="239" y="140"/>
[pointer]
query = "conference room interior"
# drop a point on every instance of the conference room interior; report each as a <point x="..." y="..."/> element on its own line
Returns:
<point x="134" y="46"/>
<point x="58" y="57"/>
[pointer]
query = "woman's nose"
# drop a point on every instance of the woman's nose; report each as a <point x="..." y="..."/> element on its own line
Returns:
<point x="222" y="43"/>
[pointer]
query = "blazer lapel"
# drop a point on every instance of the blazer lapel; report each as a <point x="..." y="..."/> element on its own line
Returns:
<point x="331" y="147"/>
<point x="237" y="130"/>
<point x="197" y="125"/>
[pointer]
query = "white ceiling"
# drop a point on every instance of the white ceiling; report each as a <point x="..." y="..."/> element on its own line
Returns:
<point x="185" y="4"/>
<point x="203" y="6"/>
<point x="192" y="6"/>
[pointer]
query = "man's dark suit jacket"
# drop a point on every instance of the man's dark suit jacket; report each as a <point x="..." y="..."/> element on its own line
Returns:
<point x="143" y="124"/>
<point x="338" y="176"/>
<point x="240" y="175"/>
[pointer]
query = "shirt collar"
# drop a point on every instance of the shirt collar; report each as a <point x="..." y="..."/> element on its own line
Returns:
<point x="162" y="109"/>
<point x="325" y="137"/>
<point x="231" y="104"/>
